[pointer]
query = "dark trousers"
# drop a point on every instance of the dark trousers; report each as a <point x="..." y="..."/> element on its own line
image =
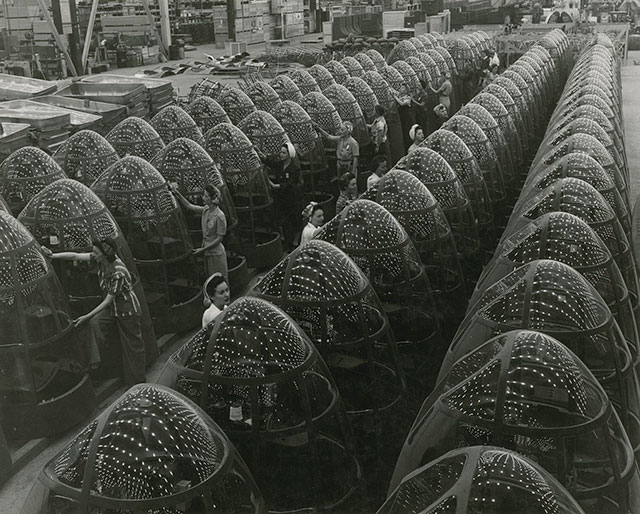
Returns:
<point x="128" y="329"/>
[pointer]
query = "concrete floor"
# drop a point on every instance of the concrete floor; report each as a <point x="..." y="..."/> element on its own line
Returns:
<point x="14" y="493"/>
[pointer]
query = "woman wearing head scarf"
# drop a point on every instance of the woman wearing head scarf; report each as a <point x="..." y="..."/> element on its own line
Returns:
<point x="314" y="216"/>
<point x="214" y="228"/>
<point x="444" y="91"/>
<point x="405" y="111"/>
<point x="216" y="298"/>
<point x="285" y="169"/>
<point x="417" y="136"/>
<point x="347" y="148"/>
<point x="117" y="316"/>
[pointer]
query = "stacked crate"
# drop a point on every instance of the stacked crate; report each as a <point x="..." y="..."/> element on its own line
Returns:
<point x="249" y="21"/>
<point x="291" y="12"/>
<point x="221" y="25"/>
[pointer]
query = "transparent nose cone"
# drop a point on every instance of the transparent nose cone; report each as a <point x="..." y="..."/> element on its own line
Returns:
<point x="134" y="136"/>
<point x="24" y="174"/>
<point x="331" y="299"/>
<point x="263" y="382"/>
<point x="151" y="450"/>
<point x="173" y="122"/>
<point x="480" y="479"/>
<point x="85" y="156"/>
<point x="207" y="113"/>
<point x="528" y="393"/>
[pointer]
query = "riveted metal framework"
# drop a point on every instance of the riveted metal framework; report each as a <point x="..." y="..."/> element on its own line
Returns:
<point x="496" y="394"/>
<point x="134" y="136"/>
<point x="478" y="143"/>
<point x="394" y="78"/>
<point x="333" y="302"/>
<point x="151" y="450"/>
<point x="85" y="155"/>
<point x="565" y="238"/>
<point x="401" y="51"/>
<point x="409" y="75"/>
<point x="44" y="388"/>
<point x="581" y="199"/>
<point x="480" y="479"/>
<point x="173" y="122"/>
<point x="207" y="113"/>
<point x="364" y="95"/>
<point x="263" y="382"/>
<point x="24" y="174"/>
<point x="365" y="62"/>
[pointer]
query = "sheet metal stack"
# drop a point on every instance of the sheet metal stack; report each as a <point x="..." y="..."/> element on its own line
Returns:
<point x="132" y="96"/>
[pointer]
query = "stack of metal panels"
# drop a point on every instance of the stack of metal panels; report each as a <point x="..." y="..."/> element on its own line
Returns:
<point x="13" y="87"/>
<point x="12" y="137"/>
<point x="132" y="96"/>
<point x="111" y="114"/>
<point x="159" y="92"/>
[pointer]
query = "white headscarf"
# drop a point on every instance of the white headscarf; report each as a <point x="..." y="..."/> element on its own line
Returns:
<point x="412" y="131"/>
<point x="290" y="149"/>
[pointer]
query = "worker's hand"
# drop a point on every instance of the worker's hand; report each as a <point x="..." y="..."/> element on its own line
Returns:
<point x="78" y="322"/>
<point x="46" y="252"/>
<point x="198" y="251"/>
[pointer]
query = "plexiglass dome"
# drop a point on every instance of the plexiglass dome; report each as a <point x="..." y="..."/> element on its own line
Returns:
<point x="510" y="105"/>
<point x="352" y="66"/>
<point x="207" y="113"/>
<point x="436" y="173"/>
<point x="322" y="76"/>
<point x="134" y="136"/>
<point x="173" y="122"/>
<point x="565" y="238"/>
<point x="580" y="166"/>
<point x="263" y="96"/>
<point x="24" y="174"/>
<point x="555" y="299"/>
<point x="186" y="163"/>
<point x="349" y="110"/>
<point x="297" y="123"/>
<point x="496" y="137"/>
<point x="331" y="299"/>
<point x="322" y="112"/>
<point x="416" y="209"/>
<point x="85" y="155"/>
<point x="393" y="77"/>
<point x="364" y="95"/>
<point x="376" y="58"/>
<point x="380" y="88"/>
<point x="236" y="104"/>
<point x="305" y="82"/>
<point x="264" y="131"/>
<point x="478" y="143"/>
<point x="262" y="381"/>
<point x="378" y="244"/>
<point x="150" y="451"/>
<point x="337" y="71"/>
<point x="529" y="393"/>
<point x="67" y="216"/>
<point x="420" y="70"/>
<point x="286" y="88"/>
<point x="480" y="479"/>
<point x="140" y="200"/>
<point x="582" y="200"/>
<point x="466" y="168"/>
<point x="44" y="386"/>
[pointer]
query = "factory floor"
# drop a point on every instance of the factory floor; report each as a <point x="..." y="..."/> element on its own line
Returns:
<point x="15" y="491"/>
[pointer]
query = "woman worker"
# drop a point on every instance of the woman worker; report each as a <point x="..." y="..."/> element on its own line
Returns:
<point x="118" y="315"/>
